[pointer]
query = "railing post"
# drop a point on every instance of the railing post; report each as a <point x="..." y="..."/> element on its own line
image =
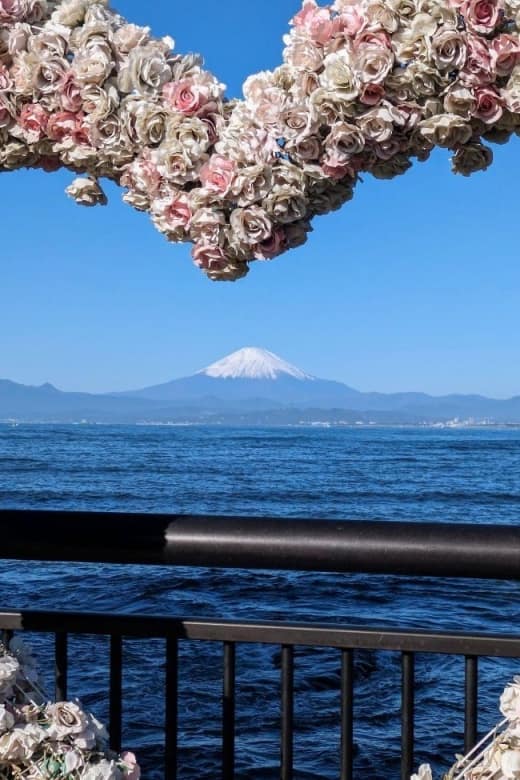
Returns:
<point x="287" y="729"/>
<point x="471" y="703"/>
<point x="347" y="714"/>
<point x="407" y="714"/>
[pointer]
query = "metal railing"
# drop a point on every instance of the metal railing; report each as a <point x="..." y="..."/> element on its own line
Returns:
<point x="417" y="549"/>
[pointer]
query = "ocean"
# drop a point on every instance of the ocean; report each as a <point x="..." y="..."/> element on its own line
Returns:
<point x="455" y="475"/>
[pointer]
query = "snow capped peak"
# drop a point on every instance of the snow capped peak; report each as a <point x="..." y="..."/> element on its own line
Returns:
<point x="253" y="363"/>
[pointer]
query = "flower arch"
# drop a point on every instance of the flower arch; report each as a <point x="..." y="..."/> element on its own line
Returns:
<point x="366" y="86"/>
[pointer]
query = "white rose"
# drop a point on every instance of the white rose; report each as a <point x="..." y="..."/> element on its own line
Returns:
<point x="373" y="64"/>
<point x="460" y="100"/>
<point x="446" y="130"/>
<point x="65" y="718"/>
<point x="86" y="192"/>
<point x="448" y="49"/>
<point x="70" y="13"/>
<point x="425" y="773"/>
<point x="73" y="761"/>
<point x="19" y="744"/>
<point x="207" y="226"/>
<point x="378" y="123"/>
<point x="510" y="701"/>
<point x="251" y="225"/>
<point x="93" y="65"/>
<point x="129" y="36"/>
<point x="339" y="77"/>
<point x="510" y="764"/>
<point x="6" y="719"/>
<point x="301" y="53"/>
<point x="251" y="184"/>
<point x="286" y="204"/>
<point x="9" y="669"/>
<point x="344" y="141"/>
<point x="146" y="70"/>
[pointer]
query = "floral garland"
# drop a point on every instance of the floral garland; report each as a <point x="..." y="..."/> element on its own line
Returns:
<point x="366" y="86"/>
<point x="43" y="740"/>
<point x="497" y="755"/>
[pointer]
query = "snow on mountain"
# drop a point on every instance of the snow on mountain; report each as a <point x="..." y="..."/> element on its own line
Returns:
<point x="253" y="363"/>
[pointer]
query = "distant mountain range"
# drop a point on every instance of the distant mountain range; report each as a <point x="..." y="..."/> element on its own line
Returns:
<point x="251" y="386"/>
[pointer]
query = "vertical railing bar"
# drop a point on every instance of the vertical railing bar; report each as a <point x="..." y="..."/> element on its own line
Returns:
<point x="172" y="707"/>
<point x="407" y="714"/>
<point x="347" y="714"/>
<point x="287" y="727"/>
<point x="61" y="665"/>
<point x="116" y="690"/>
<point x="471" y="703"/>
<point x="287" y="730"/>
<point x="228" y="712"/>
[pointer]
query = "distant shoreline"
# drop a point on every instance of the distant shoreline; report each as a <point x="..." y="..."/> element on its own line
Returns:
<point x="318" y="425"/>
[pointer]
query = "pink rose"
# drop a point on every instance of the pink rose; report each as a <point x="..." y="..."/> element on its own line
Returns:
<point x="186" y="96"/>
<point x="317" y="22"/>
<point x="335" y="169"/>
<point x="12" y="10"/>
<point x="208" y="257"/>
<point x="489" y="107"/>
<point x="62" y="125"/>
<point x="303" y="17"/>
<point x="178" y="212"/>
<point x="272" y="246"/>
<point x="507" y="51"/>
<point x="33" y="119"/>
<point x="352" y="21"/>
<point x="481" y="15"/>
<point x="133" y="771"/>
<point x="217" y="174"/>
<point x="372" y="94"/>
<point x="479" y="68"/>
<point x="142" y="175"/>
<point x="369" y="38"/>
<point x="70" y="93"/>
<point x="322" y="28"/>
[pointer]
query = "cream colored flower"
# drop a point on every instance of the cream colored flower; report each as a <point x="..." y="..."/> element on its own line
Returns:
<point x="286" y="204"/>
<point x="446" y="130"/>
<point x="19" y="744"/>
<point x="251" y="225"/>
<point x="378" y="123"/>
<point x="302" y="53"/>
<point x="6" y="719"/>
<point x="339" y="77"/>
<point x="460" y="100"/>
<point x="65" y="719"/>
<point x="448" y="49"/>
<point x="146" y="71"/>
<point x="372" y="64"/>
<point x="87" y="192"/>
<point x="251" y="184"/>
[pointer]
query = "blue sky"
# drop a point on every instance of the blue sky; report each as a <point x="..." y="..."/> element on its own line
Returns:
<point x="415" y="285"/>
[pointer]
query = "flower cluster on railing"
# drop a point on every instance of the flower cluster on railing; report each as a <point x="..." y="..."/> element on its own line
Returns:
<point x="497" y="755"/>
<point x="40" y="739"/>
<point x="366" y="86"/>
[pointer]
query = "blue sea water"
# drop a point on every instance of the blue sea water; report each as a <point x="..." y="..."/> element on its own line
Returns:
<point x="470" y="476"/>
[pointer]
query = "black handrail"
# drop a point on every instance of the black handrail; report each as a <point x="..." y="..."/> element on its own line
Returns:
<point x="418" y="549"/>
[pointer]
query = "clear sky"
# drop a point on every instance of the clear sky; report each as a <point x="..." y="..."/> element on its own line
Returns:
<point x="415" y="285"/>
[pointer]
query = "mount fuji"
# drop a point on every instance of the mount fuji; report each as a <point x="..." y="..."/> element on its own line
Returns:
<point x="249" y="387"/>
<point x="251" y="375"/>
<point x="255" y="379"/>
